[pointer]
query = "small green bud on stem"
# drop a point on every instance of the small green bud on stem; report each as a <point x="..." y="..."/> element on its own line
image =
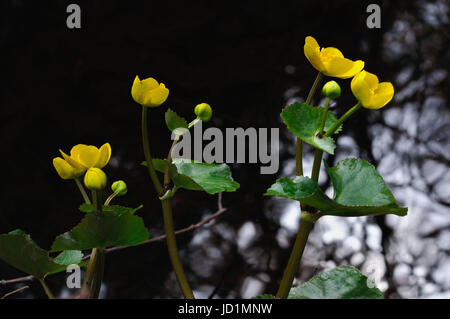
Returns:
<point x="203" y="112"/>
<point x="331" y="90"/>
<point x="119" y="187"/>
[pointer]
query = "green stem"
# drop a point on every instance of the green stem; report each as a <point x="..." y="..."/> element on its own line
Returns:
<point x="86" y="288"/>
<point x="195" y="121"/>
<point x="299" y="143"/>
<point x="46" y="289"/>
<point x="88" y="277"/>
<point x="94" y="273"/>
<point x="173" y="250"/>
<point x="97" y="200"/>
<point x="299" y="157"/>
<point x="324" y="115"/>
<point x="148" y="156"/>
<point x="314" y="88"/>
<point x="316" y="165"/>
<point x="318" y="153"/>
<point x="167" y="212"/>
<point x="347" y="114"/>
<point x="110" y="198"/>
<point x="306" y="224"/>
<point x="98" y="274"/>
<point x="82" y="191"/>
<point x="169" y="160"/>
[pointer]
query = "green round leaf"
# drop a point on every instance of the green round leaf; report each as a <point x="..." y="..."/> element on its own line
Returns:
<point x="357" y="183"/>
<point x="188" y="174"/>
<point x="303" y="189"/>
<point x="69" y="257"/>
<point x="103" y="229"/>
<point x="213" y="178"/>
<point x="343" y="282"/>
<point x="21" y="252"/>
<point x="359" y="191"/>
<point x="175" y="123"/>
<point x="304" y="121"/>
<point x="180" y="180"/>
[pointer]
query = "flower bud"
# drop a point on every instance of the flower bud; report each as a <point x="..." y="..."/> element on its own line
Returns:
<point x="95" y="179"/>
<point x="203" y="112"/>
<point x="119" y="187"/>
<point x="331" y="90"/>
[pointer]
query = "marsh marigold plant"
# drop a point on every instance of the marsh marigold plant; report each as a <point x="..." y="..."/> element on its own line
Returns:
<point x="359" y="190"/>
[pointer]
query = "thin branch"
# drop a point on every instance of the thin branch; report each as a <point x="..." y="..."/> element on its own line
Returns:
<point x="16" y="280"/>
<point x="14" y="291"/>
<point x="220" y="211"/>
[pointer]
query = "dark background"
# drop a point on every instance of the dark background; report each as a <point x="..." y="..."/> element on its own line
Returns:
<point x="68" y="86"/>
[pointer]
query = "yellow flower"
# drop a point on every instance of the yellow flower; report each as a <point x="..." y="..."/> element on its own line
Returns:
<point x="372" y="94"/>
<point x="330" y="61"/>
<point x="65" y="170"/>
<point x="87" y="156"/>
<point x="95" y="179"/>
<point x="149" y="92"/>
<point x="82" y="157"/>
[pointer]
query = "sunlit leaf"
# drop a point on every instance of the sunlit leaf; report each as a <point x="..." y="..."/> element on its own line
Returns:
<point x="343" y="282"/>
<point x="304" y="121"/>
<point x="359" y="191"/>
<point x="69" y="257"/>
<point x="212" y="178"/>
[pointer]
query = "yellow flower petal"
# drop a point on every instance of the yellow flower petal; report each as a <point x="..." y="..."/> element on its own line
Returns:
<point x="149" y="92"/>
<point x="331" y="52"/>
<point x="65" y="170"/>
<point x="330" y="61"/>
<point x="336" y="66"/>
<point x="157" y="96"/>
<point x="371" y="79"/>
<point x="312" y="53"/>
<point x="357" y="67"/>
<point x="371" y="93"/>
<point x="136" y="91"/>
<point x="149" y="84"/>
<point x="87" y="155"/>
<point x="104" y="156"/>
<point x="383" y="95"/>
<point x="72" y="161"/>
<point x="309" y="40"/>
<point x="361" y="89"/>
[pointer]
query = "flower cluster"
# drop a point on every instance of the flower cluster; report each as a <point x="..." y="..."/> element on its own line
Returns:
<point x="89" y="160"/>
<point x="84" y="159"/>
<point x="365" y="86"/>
